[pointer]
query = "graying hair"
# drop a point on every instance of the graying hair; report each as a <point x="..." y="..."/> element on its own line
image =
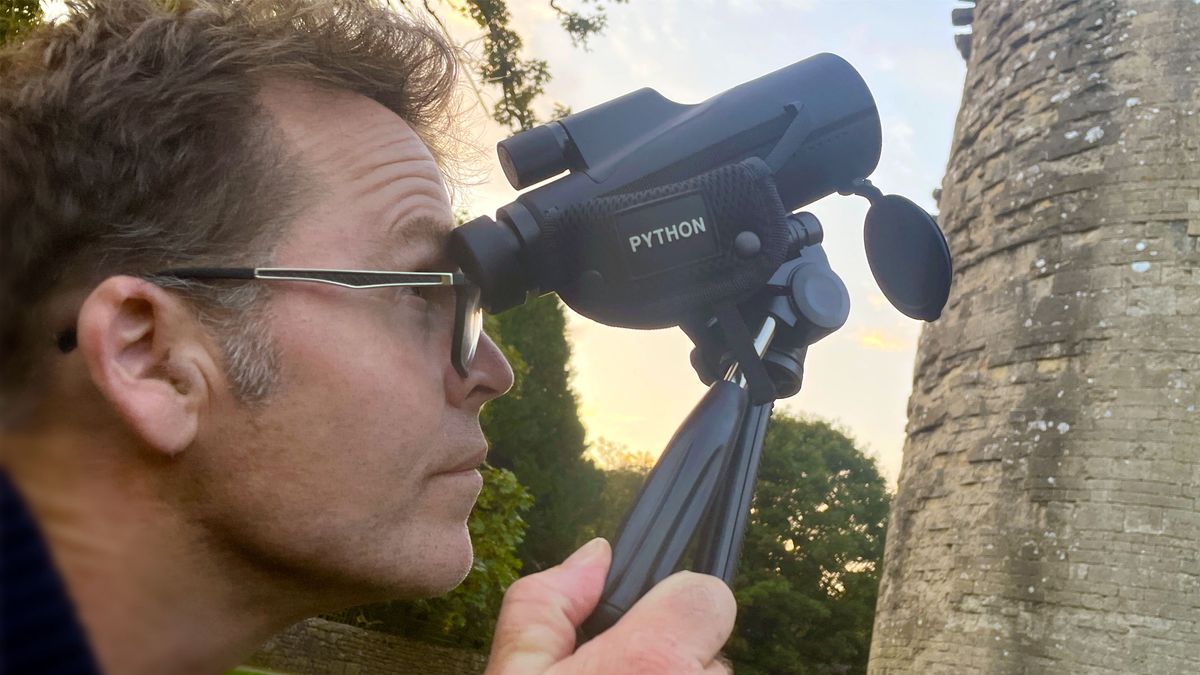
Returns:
<point x="236" y="316"/>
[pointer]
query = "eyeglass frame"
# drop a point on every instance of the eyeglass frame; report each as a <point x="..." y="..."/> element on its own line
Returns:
<point x="353" y="279"/>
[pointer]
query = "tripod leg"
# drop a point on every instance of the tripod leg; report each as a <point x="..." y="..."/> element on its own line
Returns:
<point x="668" y="510"/>
<point x="724" y="524"/>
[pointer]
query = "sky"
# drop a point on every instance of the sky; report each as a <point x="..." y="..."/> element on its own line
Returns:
<point x="636" y="387"/>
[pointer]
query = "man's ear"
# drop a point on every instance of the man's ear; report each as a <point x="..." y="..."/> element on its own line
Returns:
<point x="148" y="355"/>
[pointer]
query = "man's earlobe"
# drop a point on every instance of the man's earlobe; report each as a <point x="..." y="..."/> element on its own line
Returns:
<point x="149" y="357"/>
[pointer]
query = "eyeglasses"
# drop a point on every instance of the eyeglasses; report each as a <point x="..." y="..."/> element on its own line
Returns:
<point x="468" y="315"/>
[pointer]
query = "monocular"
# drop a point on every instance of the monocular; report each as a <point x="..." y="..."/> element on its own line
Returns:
<point x="686" y="215"/>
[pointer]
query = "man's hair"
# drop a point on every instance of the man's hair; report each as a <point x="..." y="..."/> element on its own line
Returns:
<point x="132" y="139"/>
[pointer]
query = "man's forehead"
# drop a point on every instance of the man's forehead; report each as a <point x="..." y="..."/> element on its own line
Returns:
<point x="373" y="169"/>
<point x="335" y="131"/>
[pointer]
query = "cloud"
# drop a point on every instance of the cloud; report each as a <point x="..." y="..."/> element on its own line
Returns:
<point x="878" y="340"/>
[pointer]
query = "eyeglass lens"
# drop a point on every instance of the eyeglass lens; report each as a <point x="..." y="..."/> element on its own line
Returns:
<point x="470" y="320"/>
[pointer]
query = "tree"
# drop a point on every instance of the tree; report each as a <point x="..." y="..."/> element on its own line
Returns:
<point x="17" y="16"/>
<point x="808" y="575"/>
<point x="536" y="432"/>
<point x="520" y="80"/>
<point x="624" y="473"/>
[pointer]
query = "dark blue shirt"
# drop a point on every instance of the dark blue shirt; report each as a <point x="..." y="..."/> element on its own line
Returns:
<point x="39" y="632"/>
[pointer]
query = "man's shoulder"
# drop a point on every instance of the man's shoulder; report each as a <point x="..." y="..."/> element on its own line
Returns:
<point x="39" y="632"/>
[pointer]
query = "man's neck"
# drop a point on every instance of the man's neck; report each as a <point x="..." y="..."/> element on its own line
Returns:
<point x="151" y="595"/>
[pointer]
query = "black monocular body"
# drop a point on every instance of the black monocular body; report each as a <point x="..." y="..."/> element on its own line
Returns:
<point x="650" y="208"/>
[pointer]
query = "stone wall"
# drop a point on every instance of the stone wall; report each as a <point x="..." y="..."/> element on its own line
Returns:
<point x="319" y="647"/>
<point x="1047" y="518"/>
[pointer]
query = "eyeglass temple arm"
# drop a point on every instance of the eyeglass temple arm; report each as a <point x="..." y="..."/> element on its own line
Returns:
<point x="209" y="273"/>
<point x="66" y="340"/>
<point x="348" y="278"/>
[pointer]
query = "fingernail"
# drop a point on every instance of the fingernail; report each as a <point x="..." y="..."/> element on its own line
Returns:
<point x="587" y="553"/>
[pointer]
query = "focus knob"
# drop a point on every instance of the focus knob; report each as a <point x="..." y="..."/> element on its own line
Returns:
<point x="821" y="297"/>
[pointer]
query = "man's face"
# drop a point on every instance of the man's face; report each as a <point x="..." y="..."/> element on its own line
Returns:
<point x="359" y="470"/>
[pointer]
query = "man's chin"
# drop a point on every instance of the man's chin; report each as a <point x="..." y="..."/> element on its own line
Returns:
<point x="442" y="568"/>
<point x="375" y="590"/>
<point x="455" y="569"/>
<point x="428" y="564"/>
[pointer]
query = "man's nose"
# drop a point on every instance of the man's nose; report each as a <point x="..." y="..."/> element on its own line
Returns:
<point x="489" y="375"/>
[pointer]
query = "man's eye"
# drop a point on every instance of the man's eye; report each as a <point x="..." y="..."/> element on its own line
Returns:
<point x="407" y="291"/>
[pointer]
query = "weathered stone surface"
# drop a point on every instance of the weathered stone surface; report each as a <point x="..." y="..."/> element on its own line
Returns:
<point x="319" y="647"/>
<point x="1047" y="517"/>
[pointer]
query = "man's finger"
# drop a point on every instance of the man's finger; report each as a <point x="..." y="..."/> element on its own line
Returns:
<point x="679" y="626"/>
<point x="541" y="612"/>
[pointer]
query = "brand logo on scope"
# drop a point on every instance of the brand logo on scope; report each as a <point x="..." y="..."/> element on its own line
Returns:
<point x="648" y="246"/>
<point x="665" y="235"/>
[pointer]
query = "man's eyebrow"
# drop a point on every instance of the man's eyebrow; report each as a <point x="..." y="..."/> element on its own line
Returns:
<point x="419" y="231"/>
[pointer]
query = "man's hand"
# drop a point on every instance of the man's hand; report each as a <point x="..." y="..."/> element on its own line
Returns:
<point x="678" y="627"/>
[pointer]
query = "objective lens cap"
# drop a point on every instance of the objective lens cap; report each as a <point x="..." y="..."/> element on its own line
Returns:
<point x="908" y="256"/>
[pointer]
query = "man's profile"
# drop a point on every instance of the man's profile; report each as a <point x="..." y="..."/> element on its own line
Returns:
<point x="205" y="454"/>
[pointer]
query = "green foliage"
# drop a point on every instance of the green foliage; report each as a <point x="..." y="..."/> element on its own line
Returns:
<point x="520" y="79"/>
<point x="809" y="577"/>
<point x="536" y="432"/>
<point x="17" y="16"/>
<point x="624" y="473"/>
<point x="465" y="617"/>
<point x="581" y="26"/>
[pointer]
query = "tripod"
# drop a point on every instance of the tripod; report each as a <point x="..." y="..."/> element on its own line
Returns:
<point x="701" y="487"/>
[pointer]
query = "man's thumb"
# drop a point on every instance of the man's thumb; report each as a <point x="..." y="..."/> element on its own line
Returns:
<point x="541" y="612"/>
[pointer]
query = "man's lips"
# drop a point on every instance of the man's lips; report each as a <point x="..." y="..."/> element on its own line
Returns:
<point x="469" y="463"/>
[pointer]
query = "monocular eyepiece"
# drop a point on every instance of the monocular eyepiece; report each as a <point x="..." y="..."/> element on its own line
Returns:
<point x="534" y="155"/>
<point x="489" y="254"/>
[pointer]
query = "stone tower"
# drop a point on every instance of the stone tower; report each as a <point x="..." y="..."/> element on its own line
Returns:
<point x="1048" y="512"/>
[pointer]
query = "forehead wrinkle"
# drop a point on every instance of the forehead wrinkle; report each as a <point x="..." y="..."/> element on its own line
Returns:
<point x="402" y="198"/>
<point x="384" y="143"/>
<point x="386" y="163"/>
